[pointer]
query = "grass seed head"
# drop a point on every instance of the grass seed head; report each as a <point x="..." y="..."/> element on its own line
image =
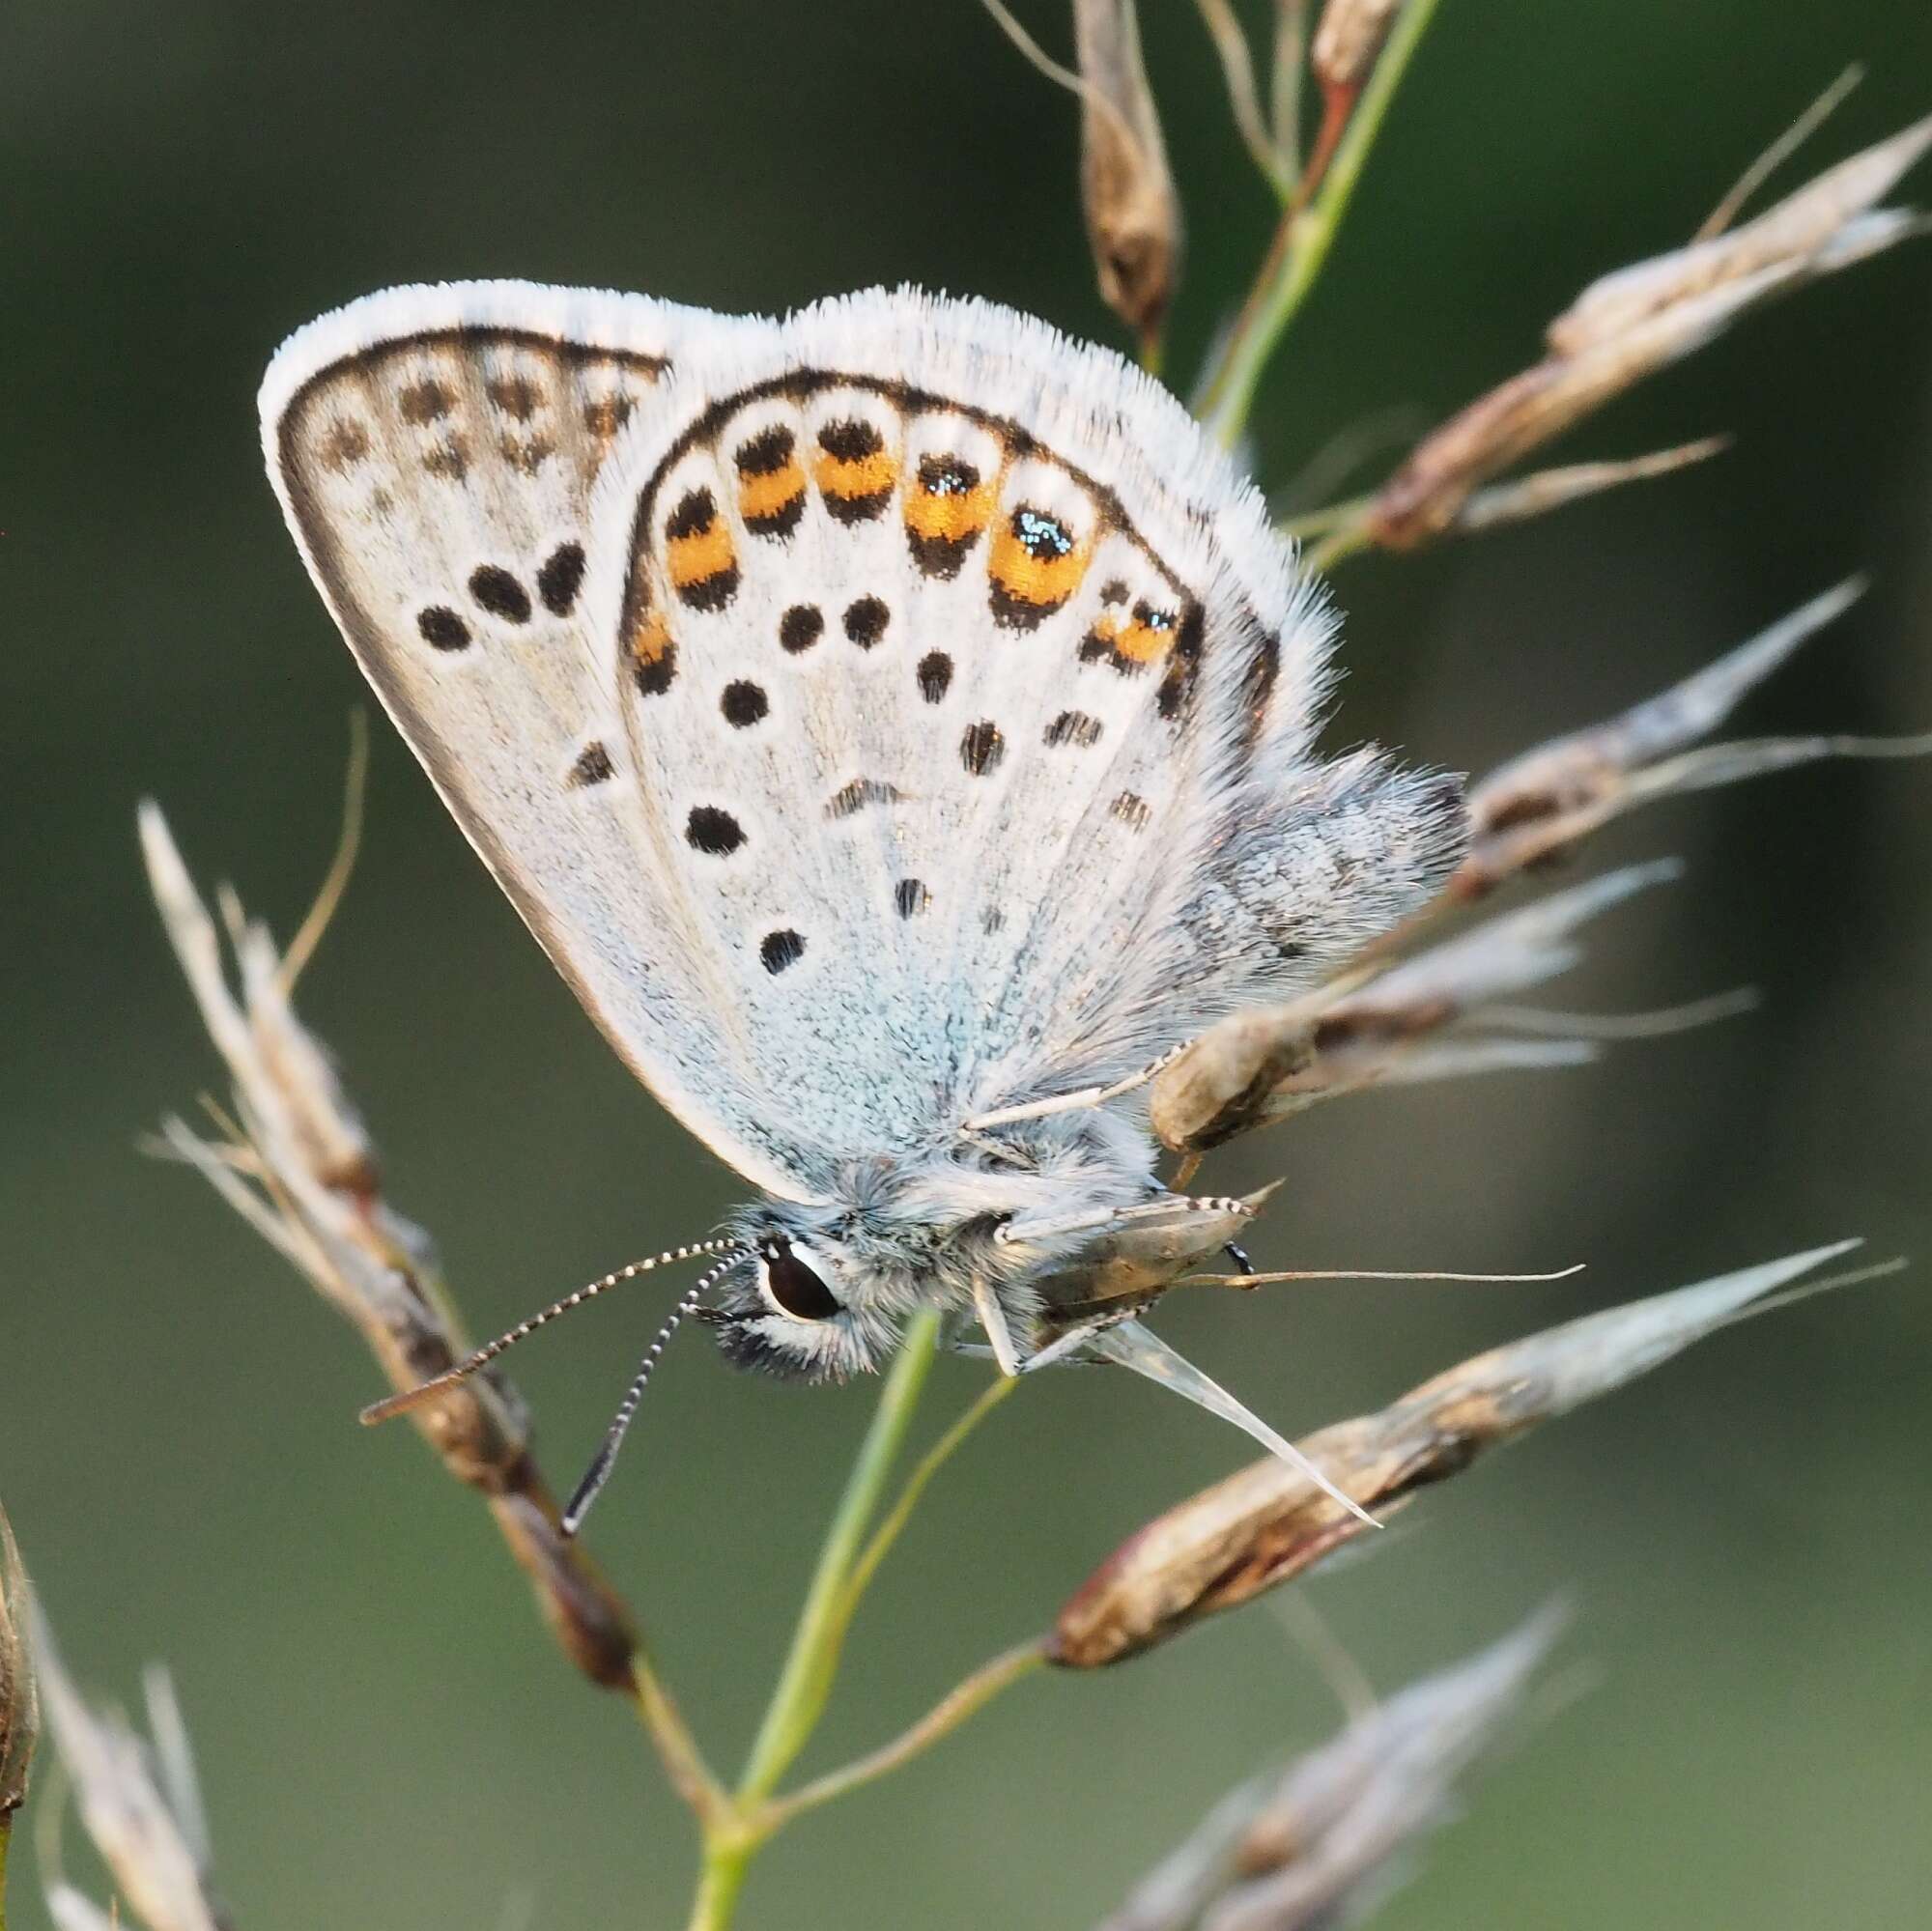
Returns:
<point x="138" y="1797"/>
<point x="299" y="1167"/>
<point x="20" y="1700"/>
<point x="1317" y="1843"/>
<point x="1132" y="208"/>
<point x="1627" y="326"/>
<point x="1266" y="1524"/>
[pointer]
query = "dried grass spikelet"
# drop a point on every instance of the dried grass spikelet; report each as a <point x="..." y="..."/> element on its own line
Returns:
<point x="1348" y="38"/>
<point x="1428" y="494"/>
<point x="1435" y="1016"/>
<point x="1321" y="1842"/>
<point x="1829" y="223"/>
<point x="1540" y="805"/>
<point x="1638" y="320"/>
<point x="139" y="1799"/>
<point x="301" y="1169"/>
<point x="20" y="1700"/>
<point x="1546" y="489"/>
<point x="1132" y="208"/>
<point x="1267" y="1523"/>
<point x="1347" y="43"/>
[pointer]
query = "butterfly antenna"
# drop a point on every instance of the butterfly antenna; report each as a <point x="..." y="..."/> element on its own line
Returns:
<point x="413" y="1398"/>
<point x="599" y="1472"/>
<point x="1248" y="1278"/>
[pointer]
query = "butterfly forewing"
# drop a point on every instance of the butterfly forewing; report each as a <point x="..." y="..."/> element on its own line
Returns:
<point x="436" y="451"/>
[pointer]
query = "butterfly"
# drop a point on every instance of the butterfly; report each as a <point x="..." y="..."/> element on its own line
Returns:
<point x="896" y="723"/>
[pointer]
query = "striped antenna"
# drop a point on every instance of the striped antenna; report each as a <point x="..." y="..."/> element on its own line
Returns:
<point x="599" y="1472"/>
<point x="413" y="1398"/>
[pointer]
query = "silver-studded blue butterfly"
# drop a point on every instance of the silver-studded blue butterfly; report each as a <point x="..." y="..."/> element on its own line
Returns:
<point x="892" y="721"/>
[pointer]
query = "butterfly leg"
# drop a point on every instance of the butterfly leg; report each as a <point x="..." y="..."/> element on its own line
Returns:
<point x="993" y="1318"/>
<point x="1071" y="1344"/>
<point x="1086" y="1097"/>
<point x="999" y="1149"/>
<point x="1004" y="1347"/>
<point x="1171" y="1210"/>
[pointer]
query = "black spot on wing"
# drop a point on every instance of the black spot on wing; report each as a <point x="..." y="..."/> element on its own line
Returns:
<point x="779" y="522"/>
<point x="861" y="792"/>
<point x="744" y="703"/>
<point x="500" y="594"/>
<point x="850" y="441"/>
<point x="1076" y="727"/>
<point x="711" y="592"/>
<point x="910" y="896"/>
<point x="1042" y="535"/>
<point x="935" y="676"/>
<point x="441" y="627"/>
<point x="1012" y="612"/>
<point x="940" y="557"/>
<point x="594" y="766"/>
<point x="982" y="747"/>
<point x="778" y="950"/>
<point x="711" y="830"/>
<point x="801" y="627"/>
<point x="858" y="508"/>
<point x="1183" y="660"/>
<point x="695" y="512"/>
<point x="947" y="477"/>
<point x="866" y="620"/>
<point x="766" y="453"/>
<point x="655" y="674"/>
<point x="561" y="578"/>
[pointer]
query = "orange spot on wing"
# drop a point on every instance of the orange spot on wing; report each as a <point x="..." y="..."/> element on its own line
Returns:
<point x="703" y="554"/>
<point x="650" y="638"/>
<point x="762" y="496"/>
<point x="1045" y="582"/>
<point x="950" y="517"/>
<point x="1147" y="634"/>
<point x="870" y="475"/>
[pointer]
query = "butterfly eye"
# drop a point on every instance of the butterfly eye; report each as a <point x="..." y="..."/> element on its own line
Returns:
<point x="795" y="1288"/>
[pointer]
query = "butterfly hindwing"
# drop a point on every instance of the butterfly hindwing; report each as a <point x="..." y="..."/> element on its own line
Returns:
<point x="957" y="663"/>
<point x="886" y="667"/>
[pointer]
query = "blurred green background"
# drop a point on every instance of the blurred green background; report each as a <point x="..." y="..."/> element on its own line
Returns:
<point x="387" y="1737"/>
